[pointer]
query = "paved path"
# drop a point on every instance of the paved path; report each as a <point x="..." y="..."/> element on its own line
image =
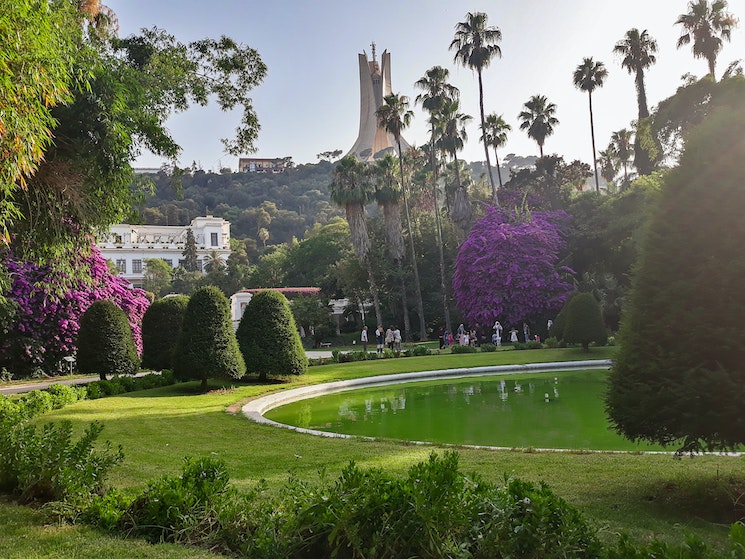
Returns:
<point x="28" y="387"/>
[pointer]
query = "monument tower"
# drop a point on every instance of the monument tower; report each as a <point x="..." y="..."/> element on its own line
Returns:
<point x="373" y="142"/>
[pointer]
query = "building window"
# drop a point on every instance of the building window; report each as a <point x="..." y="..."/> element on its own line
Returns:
<point x="213" y="239"/>
<point x="121" y="266"/>
<point x="136" y="266"/>
<point x="200" y="265"/>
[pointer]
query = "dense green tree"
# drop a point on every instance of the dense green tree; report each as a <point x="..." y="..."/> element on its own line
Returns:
<point x="105" y="342"/>
<point x="160" y="327"/>
<point x="158" y="276"/>
<point x="268" y="337"/>
<point x="190" y="263"/>
<point x="583" y="322"/>
<point x="668" y="384"/>
<point x="705" y="27"/>
<point x="207" y="347"/>
<point x="124" y="91"/>
<point x="637" y="51"/>
<point x="588" y="77"/>
<point x="538" y="119"/>
<point x="476" y="44"/>
<point x="313" y="314"/>
<point x="394" y="115"/>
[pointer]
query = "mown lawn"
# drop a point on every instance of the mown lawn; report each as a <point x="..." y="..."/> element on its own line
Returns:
<point x="648" y="496"/>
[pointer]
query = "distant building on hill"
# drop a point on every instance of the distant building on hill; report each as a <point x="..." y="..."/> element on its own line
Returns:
<point x="373" y="142"/>
<point x="128" y="246"/>
<point x="264" y="165"/>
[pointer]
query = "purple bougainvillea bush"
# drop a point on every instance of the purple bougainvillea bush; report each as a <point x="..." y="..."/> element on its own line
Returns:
<point x="508" y="270"/>
<point x="47" y="305"/>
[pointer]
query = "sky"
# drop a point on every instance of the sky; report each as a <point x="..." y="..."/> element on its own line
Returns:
<point x="309" y="101"/>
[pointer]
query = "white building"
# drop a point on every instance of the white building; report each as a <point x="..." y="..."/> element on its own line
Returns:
<point x="128" y="246"/>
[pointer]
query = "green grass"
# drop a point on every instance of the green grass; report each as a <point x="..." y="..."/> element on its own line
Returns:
<point x="648" y="496"/>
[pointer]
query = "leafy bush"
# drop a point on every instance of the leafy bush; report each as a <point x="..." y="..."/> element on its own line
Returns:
<point x="172" y="504"/>
<point x="207" y="347"/>
<point x="160" y="327"/>
<point x="552" y="343"/>
<point x="47" y="465"/>
<point x="435" y="511"/>
<point x="488" y="348"/>
<point x="268" y="338"/>
<point x="463" y="349"/>
<point x="36" y="402"/>
<point x="105" y="342"/>
<point x="417" y="351"/>
<point x="64" y="395"/>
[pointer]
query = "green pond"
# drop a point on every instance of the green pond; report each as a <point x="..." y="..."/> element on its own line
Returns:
<point x="548" y="410"/>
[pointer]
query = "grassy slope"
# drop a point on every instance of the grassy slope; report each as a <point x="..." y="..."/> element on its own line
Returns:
<point x="646" y="495"/>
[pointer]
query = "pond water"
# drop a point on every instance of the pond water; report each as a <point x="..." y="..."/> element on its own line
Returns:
<point x="549" y="410"/>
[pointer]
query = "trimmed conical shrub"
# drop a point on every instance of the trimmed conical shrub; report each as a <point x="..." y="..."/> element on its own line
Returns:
<point x="583" y="321"/>
<point x="160" y="330"/>
<point x="207" y="347"/>
<point x="678" y="377"/>
<point x="268" y="338"/>
<point x="105" y="342"/>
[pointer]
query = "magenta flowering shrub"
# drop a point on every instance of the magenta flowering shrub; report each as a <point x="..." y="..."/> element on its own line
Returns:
<point x="48" y="305"/>
<point x="508" y="270"/>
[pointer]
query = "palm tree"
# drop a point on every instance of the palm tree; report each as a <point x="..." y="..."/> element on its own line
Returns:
<point x="637" y="49"/>
<point x="608" y="164"/>
<point x="451" y="128"/>
<point x="620" y="146"/>
<point x="494" y="134"/>
<point x="213" y="262"/>
<point x="394" y="115"/>
<point x="538" y="119"/>
<point x="351" y="189"/>
<point x="388" y="196"/>
<point x="706" y="27"/>
<point x="437" y="91"/>
<point x="475" y="46"/>
<point x="587" y="77"/>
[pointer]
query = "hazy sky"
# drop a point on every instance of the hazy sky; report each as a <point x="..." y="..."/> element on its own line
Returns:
<point x="309" y="101"/>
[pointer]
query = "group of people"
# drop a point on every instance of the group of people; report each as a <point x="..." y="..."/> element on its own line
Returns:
<point x="390" y="338"/>
<point x="476" y="336"/>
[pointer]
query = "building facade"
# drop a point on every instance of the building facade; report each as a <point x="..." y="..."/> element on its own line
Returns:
<point x="129" y="246"/>
<point x="264" y="165"/>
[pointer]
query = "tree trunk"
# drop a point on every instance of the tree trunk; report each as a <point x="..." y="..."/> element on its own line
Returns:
<point x="592" y="136"/>
<point x="404" y="301"/>
<point x="374" y="292"/>
<point x="499" y="170"/>
<point x="443" y="284"/>
<point x="486" y="147"/>
<point x="414" y="265"/>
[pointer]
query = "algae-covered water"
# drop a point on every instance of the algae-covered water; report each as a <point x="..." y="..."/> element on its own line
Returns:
<point x="550" y="410"/>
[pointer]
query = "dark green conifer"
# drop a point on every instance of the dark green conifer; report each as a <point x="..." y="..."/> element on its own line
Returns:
<point x="105" y="342"/>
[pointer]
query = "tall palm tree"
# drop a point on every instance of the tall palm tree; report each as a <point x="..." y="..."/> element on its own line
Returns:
<point x="706" y="27"/>
<point x="451" y="129"/>
<point x="621" y="147"/>
<point x="437" y="91"/>
<point x="350" y="188"/>
<point x="388" y="196"/>
<point x="393" y="116"/>
<point x="637" y="50"/>
<point x="587" y="77"/>
<point x="494" y="134"/>
<point x="538" y="119"/>
<point x="475" y="45"/>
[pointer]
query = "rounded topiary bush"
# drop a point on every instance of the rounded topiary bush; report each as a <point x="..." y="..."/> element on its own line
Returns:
<point x="105" y="342"/>
<point x="268" y="338"/>
<point x="160" y="328"/>
<point x="583" y="321"/>
<point x="206" y="346"/>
